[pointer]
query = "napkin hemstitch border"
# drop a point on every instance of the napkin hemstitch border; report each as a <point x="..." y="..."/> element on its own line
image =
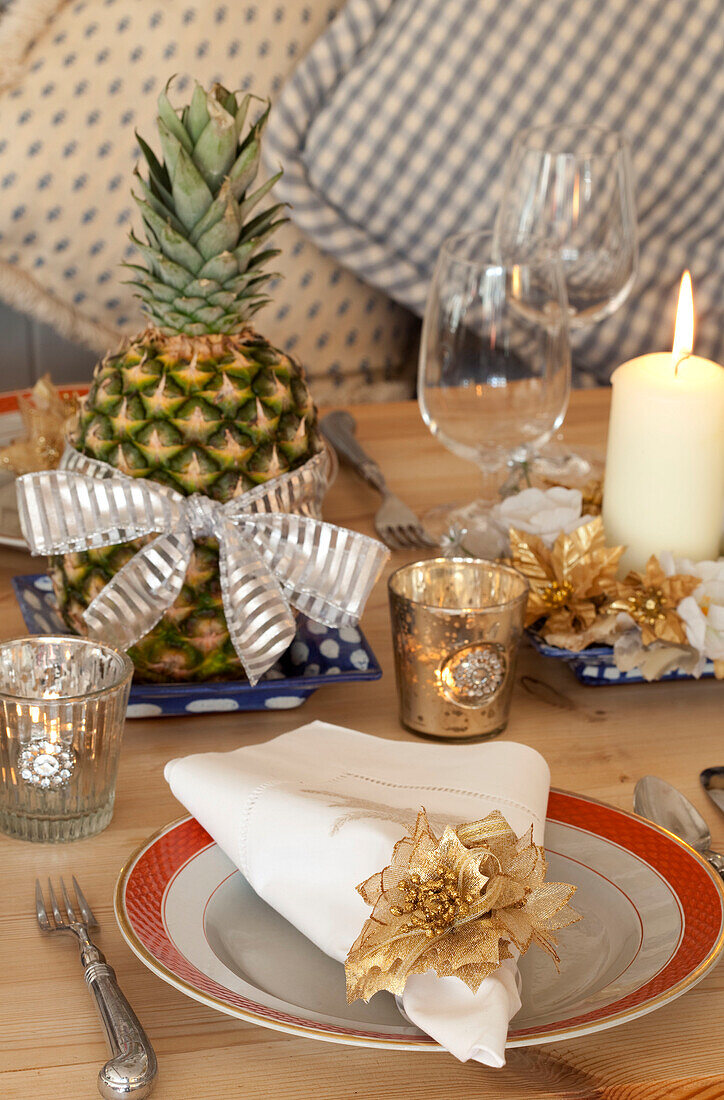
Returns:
<point x="242" y="830"/>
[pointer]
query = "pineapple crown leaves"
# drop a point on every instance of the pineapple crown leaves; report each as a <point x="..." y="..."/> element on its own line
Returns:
<point x="204" y="249"/>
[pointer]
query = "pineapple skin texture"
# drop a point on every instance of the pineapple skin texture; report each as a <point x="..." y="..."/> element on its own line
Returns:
<point x="216" y="414"/>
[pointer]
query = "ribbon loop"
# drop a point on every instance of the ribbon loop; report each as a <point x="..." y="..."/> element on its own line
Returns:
<point x="271" y="559"/>
<point x="136" y="598"/>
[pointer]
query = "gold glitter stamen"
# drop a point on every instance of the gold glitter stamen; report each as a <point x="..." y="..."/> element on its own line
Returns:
<point x="647" y="605"/>
<point x="557" y="595"/>
<point x="435" y="904"/>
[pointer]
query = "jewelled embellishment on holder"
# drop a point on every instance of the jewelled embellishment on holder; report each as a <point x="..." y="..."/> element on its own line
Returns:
<point x="46" y="764"/>
<point x="473" y="675"/>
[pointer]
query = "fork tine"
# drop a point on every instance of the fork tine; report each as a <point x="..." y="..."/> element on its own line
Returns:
<point x="388" y="537"/>
<point x="68" y="906"/>
<point x="415" y="535"/>
<point x="402" y="537"/>
<point x="88" y="914"/>
<point x="40" y="910"/>
<point x="427" y="540"/>
<point x="54" y="902"/>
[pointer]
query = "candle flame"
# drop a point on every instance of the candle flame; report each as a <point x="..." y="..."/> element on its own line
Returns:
<point x="684" y="328"/>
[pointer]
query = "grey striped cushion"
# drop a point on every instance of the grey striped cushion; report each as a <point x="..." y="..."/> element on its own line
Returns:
<point x="394" y="130"/>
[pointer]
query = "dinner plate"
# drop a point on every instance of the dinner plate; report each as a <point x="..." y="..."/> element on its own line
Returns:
<point x="653" y="925"/>
<point x="11" y="427"/>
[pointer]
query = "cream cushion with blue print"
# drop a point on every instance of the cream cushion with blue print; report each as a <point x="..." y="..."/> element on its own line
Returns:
<point x="395" y="127"/>
<point x="77" y="79"/>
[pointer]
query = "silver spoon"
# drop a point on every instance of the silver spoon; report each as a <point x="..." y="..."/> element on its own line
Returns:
<point x="657" y="800"/>
<point x="712" y="780"/>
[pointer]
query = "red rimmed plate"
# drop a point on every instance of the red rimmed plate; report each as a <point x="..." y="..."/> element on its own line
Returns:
<point x="11" y="426"/>
<point x="653" y="926"/>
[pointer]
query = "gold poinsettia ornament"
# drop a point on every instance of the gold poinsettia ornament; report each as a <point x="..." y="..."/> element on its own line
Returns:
<point x="651" y="599"/>
<point x="46" y="416"/>
<point x="569" y="581"/>
<point x="455" y="905"/>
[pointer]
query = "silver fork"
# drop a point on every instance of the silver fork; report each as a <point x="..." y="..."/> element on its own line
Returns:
<point x="395" y="523"/>
<point x="132" y="1069"/>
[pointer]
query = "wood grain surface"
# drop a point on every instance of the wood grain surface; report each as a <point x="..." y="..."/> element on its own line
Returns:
<point x="598" y="741"/>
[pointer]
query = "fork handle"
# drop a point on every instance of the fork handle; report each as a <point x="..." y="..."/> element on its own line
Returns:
<point x="339" y="428"/>
<point x="716" y="859"/>
<point x="132" y="1069"/>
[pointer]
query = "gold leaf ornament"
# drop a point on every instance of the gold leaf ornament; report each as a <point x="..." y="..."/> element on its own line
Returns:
<point x="570" y="581"/>
<point x="46" y="416"/>
<point x="455" y="905"/>
<point x="592" y="498"/>
<point x="651" y="599"/>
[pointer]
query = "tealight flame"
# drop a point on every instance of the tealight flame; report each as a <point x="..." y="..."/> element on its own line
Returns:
<point x="684" y="329"/>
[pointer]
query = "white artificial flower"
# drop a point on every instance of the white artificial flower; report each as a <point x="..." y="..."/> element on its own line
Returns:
<point x="546" y="513"/>
<point x="656" y="659"/>
<point x="703" y="611"/>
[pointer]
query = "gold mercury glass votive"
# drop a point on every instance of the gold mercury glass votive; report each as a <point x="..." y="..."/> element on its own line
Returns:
<point x="456" y="625"/>
<point x="63" y="708"/>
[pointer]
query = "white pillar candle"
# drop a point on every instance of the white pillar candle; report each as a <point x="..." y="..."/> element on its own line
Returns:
<point x="664" y="481"/>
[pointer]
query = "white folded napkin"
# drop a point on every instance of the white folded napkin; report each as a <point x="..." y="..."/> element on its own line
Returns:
<point x="313" y="813"/>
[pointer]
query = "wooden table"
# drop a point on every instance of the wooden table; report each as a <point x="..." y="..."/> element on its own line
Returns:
<point x="597" y="742"/>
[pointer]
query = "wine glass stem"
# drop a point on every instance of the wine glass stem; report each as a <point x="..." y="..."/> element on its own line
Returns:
<point x="494" y="481"/>
<point x="517" y="477"/>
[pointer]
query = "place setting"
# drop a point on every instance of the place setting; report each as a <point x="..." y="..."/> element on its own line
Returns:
<point x="425" y="882"/>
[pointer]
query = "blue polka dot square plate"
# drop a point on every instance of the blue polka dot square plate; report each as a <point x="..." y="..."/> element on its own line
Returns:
<point x="319" y="655"/>
<point x="595" y="666"/>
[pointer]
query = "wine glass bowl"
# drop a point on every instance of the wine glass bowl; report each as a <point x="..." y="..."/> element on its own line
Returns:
<point x="494" y="374"/>
<point x="569" y="189"/>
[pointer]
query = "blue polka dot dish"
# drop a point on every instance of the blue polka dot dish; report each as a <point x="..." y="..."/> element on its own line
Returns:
<point x="595" y="666"/>
<point x="319" y="655"/>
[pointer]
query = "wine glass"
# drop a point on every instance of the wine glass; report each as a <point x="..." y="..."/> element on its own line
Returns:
<point x="570" y="189"/>
<point x="495" y="365"/>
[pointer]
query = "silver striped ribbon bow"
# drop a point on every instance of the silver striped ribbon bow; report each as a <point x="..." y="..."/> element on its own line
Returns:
<point x="270" y="559"/>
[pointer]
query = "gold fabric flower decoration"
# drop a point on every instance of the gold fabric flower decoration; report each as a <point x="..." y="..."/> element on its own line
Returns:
<point x="455" y="905"/>
<point x="592" y="494"/>
<point x="46" y="415"/>
<point x="569" y="582"/>
<point x="651" y="599"/>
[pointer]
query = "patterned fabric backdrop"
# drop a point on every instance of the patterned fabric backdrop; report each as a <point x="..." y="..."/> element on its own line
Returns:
<point x="395" y="128"/>
<point x="77" y="79"/>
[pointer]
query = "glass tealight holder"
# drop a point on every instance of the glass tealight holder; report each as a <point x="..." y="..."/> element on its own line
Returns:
<point x="456" y="625"/>
<point x="63" y="708"/>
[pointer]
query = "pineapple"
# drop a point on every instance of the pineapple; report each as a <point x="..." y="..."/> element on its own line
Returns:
<point x="199" y="401"/>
